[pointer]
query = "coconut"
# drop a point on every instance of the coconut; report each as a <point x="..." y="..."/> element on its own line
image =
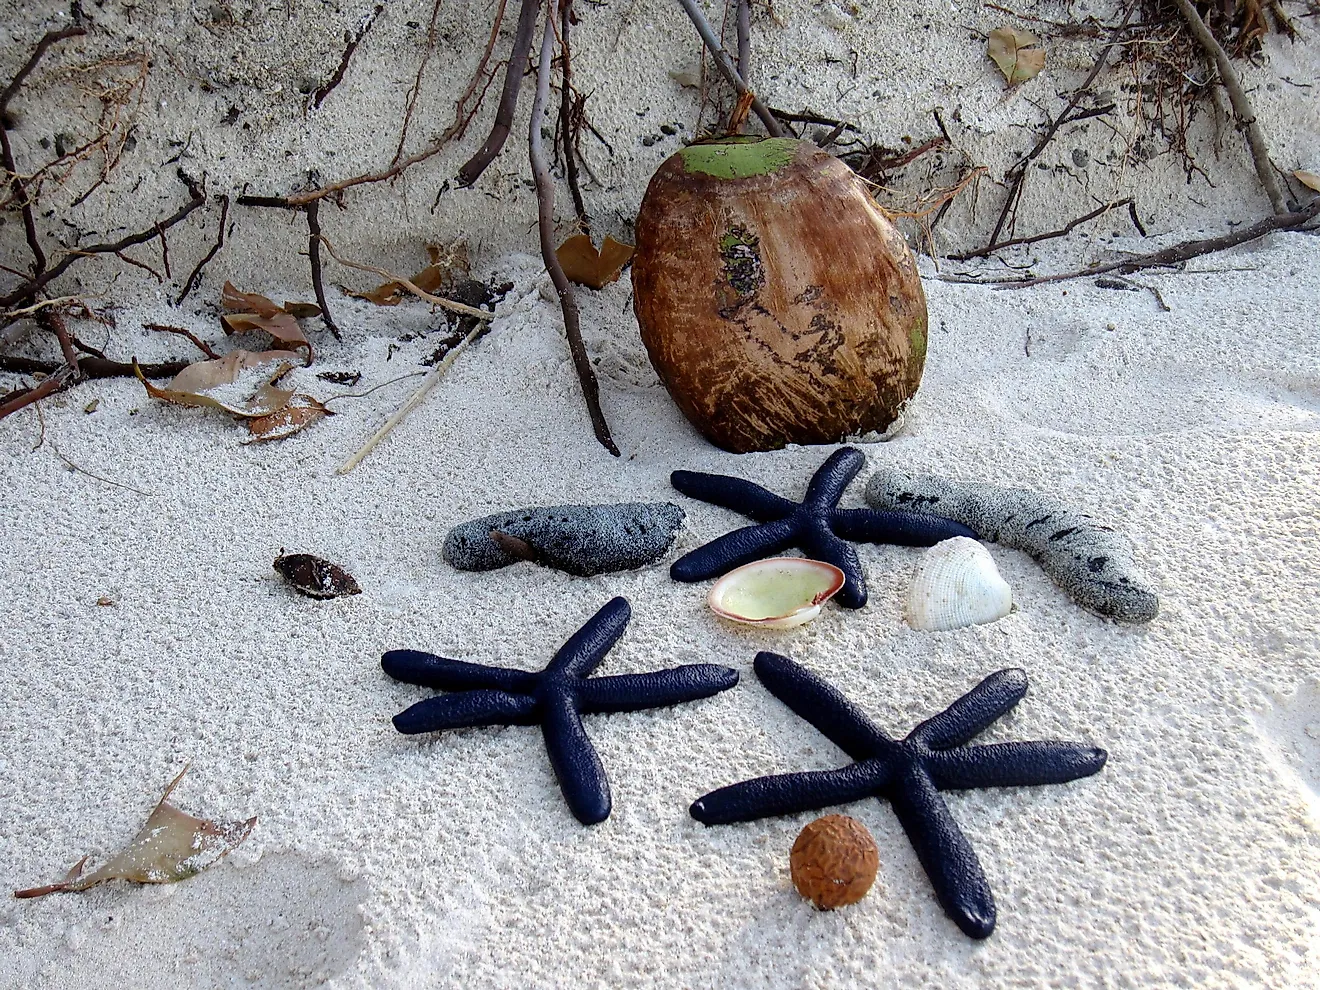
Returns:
<point x="776" y="301"/>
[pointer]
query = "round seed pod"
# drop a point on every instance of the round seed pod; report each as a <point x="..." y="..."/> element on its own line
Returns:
<point x="834" y="861"/>
<point x="776" y="301"/>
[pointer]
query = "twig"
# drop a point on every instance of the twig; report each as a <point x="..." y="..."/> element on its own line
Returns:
<point x="499" y="131"/>
<point x="1019" y="171"/>
<point x="744" y="29"/>
<point x="410" y="102"/>
<point x="202" y="345"/>
<point x="15" y="401"/>
<point x="312" y="210"/>
<point x="374" y="388"/>
<point x="53" y="322"/>
<point x="13" y="314"/>
<point x="389" y="276"/>
<point x="90" y="367"/>
<point x="1246" y="118"/>
<point x="196" y="275"/>
<point x="1068" y="229"/>
<point x="545" y="197"/>
<point x="29" y="289"/>
<point x="726" y="66"/>
<point x="566" y="122"/>
<point x="1174" y="255"/>
<point x="413" y="402"/>
<point x="82" y="470"/>
<point x="352" y="40"/>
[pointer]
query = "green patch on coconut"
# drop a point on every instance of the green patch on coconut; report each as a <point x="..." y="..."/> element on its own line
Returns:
<point x="917" y="335"/>
<point x="732" y="159"/>
<point x="742" y="261"/>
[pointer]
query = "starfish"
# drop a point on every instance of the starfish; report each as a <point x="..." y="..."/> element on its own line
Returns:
<point x="556" y="698"/>
<point x="816" y="524"/>
<point x="909" y="774"/>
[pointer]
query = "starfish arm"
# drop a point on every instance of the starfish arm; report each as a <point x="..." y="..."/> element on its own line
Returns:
<point x="823" y="706"/>
<point x="787" y="794"/>
<point x="737" y="494"/>
<point x="731" y="550"/>
<point x="634" y="692"/>
<point x="945" y="854"/>
<point x="579" y="770"/>
<point x="587" y="647"/>
<point x="1013" y="764"/>
<point x="429" y="670"/>
<point x="974" y="711"/>
<point x="824" y="545"/>
<point x="465" y="709"/>
<point x="834" y="476"/>
<point x="905" y="529"/>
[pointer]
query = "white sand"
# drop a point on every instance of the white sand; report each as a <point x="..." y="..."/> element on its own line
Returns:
<point x="1192" y="859"/>
<point x="379" y="860"/>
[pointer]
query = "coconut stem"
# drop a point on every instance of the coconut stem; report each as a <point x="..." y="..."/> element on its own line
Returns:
<point x="545" y="198"/>
<point x="727" y="67"/>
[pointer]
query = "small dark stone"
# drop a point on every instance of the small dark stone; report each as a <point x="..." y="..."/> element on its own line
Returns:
<point x="1081" y="157"/>
<point x="315" y="577"/>
<point x="649" y="140"/>
<point x="669" y="129"/>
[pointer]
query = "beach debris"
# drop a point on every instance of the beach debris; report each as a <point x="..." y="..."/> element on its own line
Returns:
<point x="956" y="584"/>
<point x="349" y="378"/>
<point x="1016" y="54"/>
<point x="449" y="265"/>
<point x="1309" y="179"/>
<point x="583" y="264"/>
<point x="776" y="593"/>
<point x="908" y="773"/>
<point x="247" y="311"/>
<point x="745" y="298"/>
<point x="1092" y="562"/>
<point x="241" y="383"/>
<point x="834" y="861"/>
<point x="554" y="698"/>
<point x="301" y="412"/>
<point x="578" y="539"/>
<point x="314" y="576"/>
<point x="171" y="846"/>
<point x="816" y="525"/>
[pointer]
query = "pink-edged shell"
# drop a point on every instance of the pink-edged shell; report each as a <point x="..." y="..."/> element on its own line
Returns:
<point x="776" y="593"/>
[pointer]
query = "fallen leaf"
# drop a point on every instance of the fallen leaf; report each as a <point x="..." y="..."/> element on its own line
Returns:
<point x="247" y="302"/>
<point x="583" y="264"/>
<point x="301" y="412"/>
<point x="91" y="406"/>
<point x="251" y="311"/>
<point x="302" y="311"/>
<point x="240" y="383"/>
<point x="315" y="577"/>
<point x="171" y="846"/>
<point x="449" y="264"/>
<point x="1012" y="52"/>
<point x="1309" y="179"/>
<point x="105" y="601"/>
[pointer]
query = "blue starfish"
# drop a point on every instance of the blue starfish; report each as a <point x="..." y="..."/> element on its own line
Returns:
<point x="555" y="697"/>
<point x="909" y="774"/>
<point x="816" y="524"/>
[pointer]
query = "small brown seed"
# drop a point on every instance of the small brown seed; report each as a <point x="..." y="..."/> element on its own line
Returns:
<point x="834" y="861"/>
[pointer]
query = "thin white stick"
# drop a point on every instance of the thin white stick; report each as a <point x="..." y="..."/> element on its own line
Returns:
<point x="443" y="303"/>
<point x="413" y="402"/>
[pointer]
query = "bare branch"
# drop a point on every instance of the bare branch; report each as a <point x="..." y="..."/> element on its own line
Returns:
<point x="499" y="132"/>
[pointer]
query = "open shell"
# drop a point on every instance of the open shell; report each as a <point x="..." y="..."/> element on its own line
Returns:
<point x="777" y="593"/>
<point x="957" y="584"/>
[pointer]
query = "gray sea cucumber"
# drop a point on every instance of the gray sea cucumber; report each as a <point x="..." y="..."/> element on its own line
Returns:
<point x="1092" y="562"/>
<point x="579" y="539"/>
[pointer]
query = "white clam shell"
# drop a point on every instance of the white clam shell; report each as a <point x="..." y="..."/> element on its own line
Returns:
<point x="777" y="593"/>
<point x="957" y="584"/>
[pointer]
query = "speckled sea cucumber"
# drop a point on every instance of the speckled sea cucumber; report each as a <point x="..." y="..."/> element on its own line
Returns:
<point x="1091" y="562"/>
<point x="579" y="539"/>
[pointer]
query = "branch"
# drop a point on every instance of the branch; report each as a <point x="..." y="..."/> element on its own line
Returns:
<point x="90" y="367"/>
<point x="545" y="197"/>
<point x="1068" y="229"/>
<point x="196" y="275"/>
<point x="1260" y="152"/>
<point x="566" y="123"/>
<point x="726" y="66"/>
<point x="312" y="210"/>
<point x="499" y="132"/>
<point x="744" y="28"/>
<point x="23" y="398"/>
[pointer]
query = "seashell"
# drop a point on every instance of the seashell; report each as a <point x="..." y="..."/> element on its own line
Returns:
<point x="834" y="861"/>
<point x="778" y="593"/>
<point x="957" y="584"/>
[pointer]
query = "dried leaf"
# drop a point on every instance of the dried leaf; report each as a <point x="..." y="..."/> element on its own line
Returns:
<point x="247" y="302"/>
<point x="449" y="264"/>
<point x="281" y="326"/>
<point x="171" y="846"/>
<point x="315" y="577"/>
<point x="1309" y="179"/>
<point x="583" y="264"/>
<point x="1011" y="51"/>
<point x="301" y="412"/>
<point x="240" y="383"/>
<point x="302" y="311"/>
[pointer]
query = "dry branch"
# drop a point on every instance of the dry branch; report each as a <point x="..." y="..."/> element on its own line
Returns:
<point x="499" y="132"/>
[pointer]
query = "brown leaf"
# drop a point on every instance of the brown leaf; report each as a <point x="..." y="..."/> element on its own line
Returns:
<point x="449" y="264"/>
<point x="302" y="311"/>
<point x="301" y="412"/>
<point x="315" y="577"/>
<point x="281" y="326"/>
<point x="240" y="383"/>
<point x="1309" y="179"/>
<point x="171" y="846"/>
<point x="1012" y="52"/>
<point x="583" y="264"/>
<point x="246" y="302"/>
